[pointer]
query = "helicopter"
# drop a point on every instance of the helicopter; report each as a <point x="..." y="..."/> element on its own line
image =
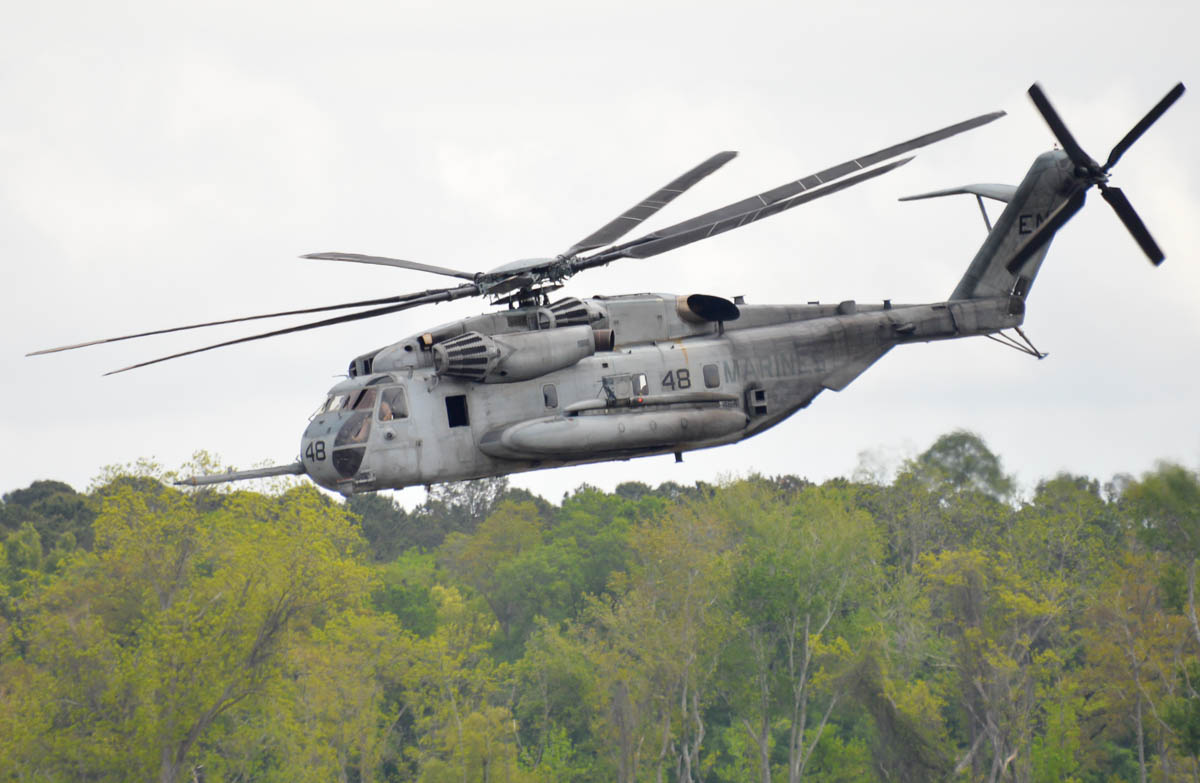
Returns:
<point x="541" y="383"/>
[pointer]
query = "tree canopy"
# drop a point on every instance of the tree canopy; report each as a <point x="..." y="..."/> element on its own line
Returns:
<point x="931" y="626"/>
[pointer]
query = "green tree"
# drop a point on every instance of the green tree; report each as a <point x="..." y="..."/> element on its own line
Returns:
<point x="509" y="564"/>
<point x="338" y="694"/>
<point x="385" y="525"/>
<point x="556" y="695"/>
<point x="178" y="621"/>
<point x="1068" y="528"/>
<point x="656" y="644"/>
<point x="1133" y="647"/>
<point x="961" y="461"/>
<point x="405" y="590"/>
<point x="802" y="572"/>
<point x="913" y="515"/>
<point x="1182" y="714"/>
<point x="1056" y="753"/>
<point x="910" y="739"/>
<point x="459" y="699"/>
<point x="596" y="527"/>
<point x="1001" y="624"/>
<point x="62" y="517"/>
<point x="459" y="506"/>
<point x="1166" y="503"/>
<point x="632" y="490"/>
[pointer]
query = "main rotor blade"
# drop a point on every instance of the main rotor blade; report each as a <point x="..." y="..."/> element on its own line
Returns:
<point x="1116" y="199"/>
<point x="791" y="189"/>
<point x="693" y="233"/>
<point x="1137" y="130"/>
<point x="397" y="262"/>
<point x="444" y="295"/>
<point x="1053" y="222"/>
<point x="1059" y="128"/>
<point x="626" y="222"/>
<point x="305" y="311"/>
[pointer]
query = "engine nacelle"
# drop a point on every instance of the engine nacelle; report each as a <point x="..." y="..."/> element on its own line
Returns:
<point x="570" y="312"/>
<point x="517" y="356"/>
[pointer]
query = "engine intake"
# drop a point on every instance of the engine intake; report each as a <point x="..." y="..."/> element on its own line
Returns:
<point x="569" y="312"/>
<point x="507" y="358"/>
<point x="471" y="356"/>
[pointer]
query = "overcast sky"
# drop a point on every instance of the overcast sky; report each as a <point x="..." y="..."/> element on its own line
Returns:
<point x="166" y="163"/>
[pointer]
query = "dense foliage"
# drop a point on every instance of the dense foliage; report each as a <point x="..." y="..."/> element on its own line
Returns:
<point x="934" y="626"/>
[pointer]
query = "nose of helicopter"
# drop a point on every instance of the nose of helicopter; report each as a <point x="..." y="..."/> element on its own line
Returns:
<point x="316" y="449"/>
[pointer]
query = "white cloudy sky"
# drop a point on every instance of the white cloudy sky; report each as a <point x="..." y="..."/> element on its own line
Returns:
<point x="166" y="163"/>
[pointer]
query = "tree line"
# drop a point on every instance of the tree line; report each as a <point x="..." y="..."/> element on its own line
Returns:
<point x="933" y="625"/>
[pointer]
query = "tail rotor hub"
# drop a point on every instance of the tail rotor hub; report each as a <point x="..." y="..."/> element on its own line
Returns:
<point x="1088" y="172"/>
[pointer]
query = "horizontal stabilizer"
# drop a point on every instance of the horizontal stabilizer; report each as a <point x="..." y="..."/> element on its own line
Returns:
<point x="998" y="192"/>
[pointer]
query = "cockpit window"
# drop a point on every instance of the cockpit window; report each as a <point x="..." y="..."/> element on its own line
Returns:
<point x="356" y="429"/>
<point x="364" y="400"/>
<point x="393" y="405"/>
<point x="335" y="403"/>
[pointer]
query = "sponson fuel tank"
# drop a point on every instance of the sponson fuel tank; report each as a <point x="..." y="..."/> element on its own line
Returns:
<point x="518" y="356"/>
<point x="566" y="437"/>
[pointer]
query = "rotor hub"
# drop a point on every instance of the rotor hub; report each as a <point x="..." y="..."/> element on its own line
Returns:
<point x="1088" y="172"/>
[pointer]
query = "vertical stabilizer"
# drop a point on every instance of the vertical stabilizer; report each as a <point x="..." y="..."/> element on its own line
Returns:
<point x="1051" y="193"/>
<point x="1047" y="186"/>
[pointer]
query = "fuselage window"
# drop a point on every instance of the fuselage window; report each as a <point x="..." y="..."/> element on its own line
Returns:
<point x="393" y="404"/>
<point x="712" y="376"/>
<point x="625" y="386"/>
<point x="550" y="395"/>
<point x="456" y="410"/>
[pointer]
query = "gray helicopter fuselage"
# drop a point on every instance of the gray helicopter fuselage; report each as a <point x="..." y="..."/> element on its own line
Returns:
<point x="620" y="377"/>
<point x="654" y="377"/>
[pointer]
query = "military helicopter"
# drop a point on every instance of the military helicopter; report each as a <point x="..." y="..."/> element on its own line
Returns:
<point x="541" y="384"/>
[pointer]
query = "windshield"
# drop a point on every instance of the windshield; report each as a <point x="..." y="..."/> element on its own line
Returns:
<point x="335" y="403"/>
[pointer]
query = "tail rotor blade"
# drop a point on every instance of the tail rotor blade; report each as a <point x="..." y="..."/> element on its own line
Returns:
<point x="1053" y="222"/>
<point x="1059" y="128"/>
<point x="1136" y="132"/>
<point x="1120" y="204"/>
